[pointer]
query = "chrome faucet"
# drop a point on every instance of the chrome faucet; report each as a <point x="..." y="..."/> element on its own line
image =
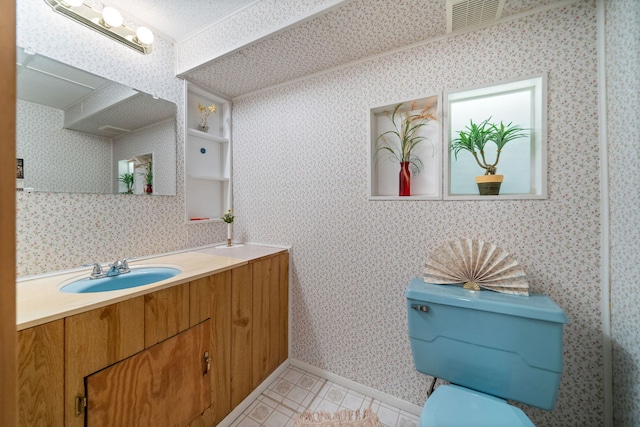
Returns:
<point x="124" y="265"/>
<point x="97" y="270"/>
<point x="117" y="268"/>
<point x="114" y="269"/>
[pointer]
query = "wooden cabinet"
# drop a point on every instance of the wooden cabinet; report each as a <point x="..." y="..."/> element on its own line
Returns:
<point x="249" y="307"/>
<point x="270" y="308"/>
<point x="245" y="311"/>
<point x="164" y="385"/>
<point x="41" y="375"/>
<point x="260" y="324"/>
<point x="166" y="313"/>
<point x="97" y="339"/>
<point x="211" y="299"/>
<point x="241" y="332"/>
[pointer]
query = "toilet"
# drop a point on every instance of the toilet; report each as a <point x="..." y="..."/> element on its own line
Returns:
<point x="491" y="347"/>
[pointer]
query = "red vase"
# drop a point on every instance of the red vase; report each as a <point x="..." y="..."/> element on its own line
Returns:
<point x="405" y="179"/>
<point x="148" y="189"/>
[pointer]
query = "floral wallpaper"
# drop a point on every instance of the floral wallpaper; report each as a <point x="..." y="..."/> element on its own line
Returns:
<point x="248" y="25"/>
<point x="62" y="231"/>
<point x="623" y="117"/>
<point x="300" y="178"/>
<point x="52" y="154"/>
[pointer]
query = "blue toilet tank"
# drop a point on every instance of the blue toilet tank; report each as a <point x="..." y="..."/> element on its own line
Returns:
<point x="504" y="345"/>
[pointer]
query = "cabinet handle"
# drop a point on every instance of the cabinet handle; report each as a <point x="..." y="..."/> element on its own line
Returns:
<point x="81" y="404"/>
<point x="207" y="360"/>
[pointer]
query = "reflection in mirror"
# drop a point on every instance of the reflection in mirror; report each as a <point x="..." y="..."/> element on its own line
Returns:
<point x="79" y="133"/>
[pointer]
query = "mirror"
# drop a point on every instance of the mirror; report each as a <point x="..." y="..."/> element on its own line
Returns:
<point x="80" y="133"/>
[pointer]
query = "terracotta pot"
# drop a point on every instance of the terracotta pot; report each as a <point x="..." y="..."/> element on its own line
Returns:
<point x="489" y="185"/>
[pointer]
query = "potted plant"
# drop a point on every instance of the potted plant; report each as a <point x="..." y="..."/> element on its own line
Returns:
<point x="400" y="142"/>
<point x="474" y="140"/>
<point x="203" y="125"/>
<point x="147" y="175"/>
<point x="127" y="180"/>
<point x="228" y="218"/>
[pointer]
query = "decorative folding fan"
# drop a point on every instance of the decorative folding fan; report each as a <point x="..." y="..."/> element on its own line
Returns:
<point x="477" y="264"/>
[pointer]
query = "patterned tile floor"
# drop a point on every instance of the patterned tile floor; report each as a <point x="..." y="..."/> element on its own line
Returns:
<point x="296" y="390"/>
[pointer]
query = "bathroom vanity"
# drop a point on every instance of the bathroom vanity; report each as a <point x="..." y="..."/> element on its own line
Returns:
<point x="185" y="350"/>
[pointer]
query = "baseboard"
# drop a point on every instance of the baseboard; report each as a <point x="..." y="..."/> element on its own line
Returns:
<point x="367" y="391"/>
<point x="238" y="410"/>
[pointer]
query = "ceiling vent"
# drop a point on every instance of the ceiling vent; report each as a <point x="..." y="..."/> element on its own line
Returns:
<point x="463" y="14"/>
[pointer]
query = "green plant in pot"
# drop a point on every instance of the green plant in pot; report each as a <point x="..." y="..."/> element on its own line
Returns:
<point x="474" y="139"/>
<point x="400" y="142"/>
<point x="127" y="180"/>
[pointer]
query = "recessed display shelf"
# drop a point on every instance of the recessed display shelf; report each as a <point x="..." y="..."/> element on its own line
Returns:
<point x="206" y="135"/>
<point x="522" y="161"/>
<point x="207" y="157"/>
<point x="384" y="170"/>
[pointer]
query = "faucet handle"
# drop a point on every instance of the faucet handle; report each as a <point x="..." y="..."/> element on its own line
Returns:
<point x="123" y="265"/>
<point x="97" y="270"/>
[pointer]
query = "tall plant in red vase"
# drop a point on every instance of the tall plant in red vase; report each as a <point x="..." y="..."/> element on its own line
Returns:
<point x="400" y="142"/>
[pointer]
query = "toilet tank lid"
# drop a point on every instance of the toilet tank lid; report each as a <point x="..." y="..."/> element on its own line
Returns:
<point x="535" y="306"/>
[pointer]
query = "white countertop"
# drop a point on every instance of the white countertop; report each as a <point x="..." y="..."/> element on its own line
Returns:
<point x="240" y="251"/>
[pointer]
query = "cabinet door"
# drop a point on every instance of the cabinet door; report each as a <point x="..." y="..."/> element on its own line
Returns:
<point x="165" y="385"/>
<point x="266" y="318"/>
<point x="270" y="315"/>
<point x="166" y="313"/>
<point x="283" y="286"/>
<point x="41" y="375"/>
<point x="241" y="332"/>
<point x="97" y="339"/>
<point x="211" y="299"/>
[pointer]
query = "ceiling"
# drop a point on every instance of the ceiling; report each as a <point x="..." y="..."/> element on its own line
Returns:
<point x="178" y="20"/>
<point x="358" y="29"/>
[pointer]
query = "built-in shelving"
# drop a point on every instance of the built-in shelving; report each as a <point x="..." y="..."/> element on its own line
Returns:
<point x="206" y="135"/>
<point x="207" y="157"/>
<point x="384" y="170"/>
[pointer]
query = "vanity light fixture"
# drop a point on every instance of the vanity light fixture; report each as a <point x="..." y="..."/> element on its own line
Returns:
<point x="109" y="22"/>
<point x="111" y="18"/>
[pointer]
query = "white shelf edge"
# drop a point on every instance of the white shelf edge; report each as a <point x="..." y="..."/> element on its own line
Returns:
<point x="498" y="197"/>
<point x="401" y="198"/>
<point x="202" y="221"/>
<point x="208" y="178"/>
<point x="206" y="135"/>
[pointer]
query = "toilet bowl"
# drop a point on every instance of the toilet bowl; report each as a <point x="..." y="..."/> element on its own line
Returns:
<point x="455" y="406"/>
<point x="491" y="347"/>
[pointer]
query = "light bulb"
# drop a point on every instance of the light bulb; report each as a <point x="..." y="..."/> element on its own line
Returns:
<point x="111" y="17"/>
<point x="144" y="35"/>
<point x="74" y="3"/>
